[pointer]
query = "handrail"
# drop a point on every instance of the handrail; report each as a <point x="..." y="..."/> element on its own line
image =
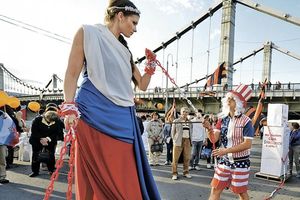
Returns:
<point x="219" y="88"/>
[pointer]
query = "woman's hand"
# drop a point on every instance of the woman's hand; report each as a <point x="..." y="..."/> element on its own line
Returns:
<point x="44" y="141"/>
<point x="70" y="121"/>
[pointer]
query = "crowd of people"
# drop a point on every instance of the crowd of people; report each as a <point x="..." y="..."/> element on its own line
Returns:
<point x="224" y="140"/>
<point x="43" y="132"/>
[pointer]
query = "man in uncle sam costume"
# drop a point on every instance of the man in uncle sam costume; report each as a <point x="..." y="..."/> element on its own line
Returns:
<point x="235" y="131"/>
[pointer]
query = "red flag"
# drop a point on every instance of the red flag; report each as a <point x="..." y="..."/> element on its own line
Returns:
<point x="217" y="76"/>
<point x="250" y="112"/>
<point x="260" y="105"/>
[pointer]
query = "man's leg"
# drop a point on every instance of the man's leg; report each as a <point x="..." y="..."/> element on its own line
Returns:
<point x="244" y="196"/>
<point x="291" y="155"/>
<point x="169" y="151"/>
<point x="3" y="152"/>
<point x="296" y="151"/>
<point x="240" y="178"/>
<point x="176" y="154"/>
<point x="215" y="194"/>
<point x="194" y="152"/>
<point x="186" y="154"/>
<point x="199" y="147"/>
<point x="151" y="156"/>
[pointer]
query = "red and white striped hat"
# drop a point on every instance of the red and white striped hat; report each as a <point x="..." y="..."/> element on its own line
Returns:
<point x="243" y="92"/>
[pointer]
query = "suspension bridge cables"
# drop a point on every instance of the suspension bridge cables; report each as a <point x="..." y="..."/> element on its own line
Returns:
<point x="208" y="45"/>
<point x="163" y="61"/>
<point x="177" y="50"/>
<point x="253" y="65"/>
<point x="192" y="51"/>
<point x="35" y="29"/>
<point x="188" y="28"/>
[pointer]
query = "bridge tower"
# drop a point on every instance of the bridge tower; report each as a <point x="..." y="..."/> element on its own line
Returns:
<point x="54" y="81"/>
<point x="266" y="73"/>
<point x="227" y="38"/>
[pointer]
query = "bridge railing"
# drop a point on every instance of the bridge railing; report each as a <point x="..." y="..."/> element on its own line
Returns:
<point x="272" y="90"/>
<point x="218" y="91"/>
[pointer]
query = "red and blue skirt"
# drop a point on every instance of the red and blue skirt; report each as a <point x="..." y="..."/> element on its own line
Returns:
<point x="110" y="160"/>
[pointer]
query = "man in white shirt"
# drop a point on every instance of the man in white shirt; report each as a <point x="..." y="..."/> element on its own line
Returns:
<point x="197" y="140"/>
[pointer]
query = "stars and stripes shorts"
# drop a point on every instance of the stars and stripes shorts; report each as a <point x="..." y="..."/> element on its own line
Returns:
<point x="233" y="175"/>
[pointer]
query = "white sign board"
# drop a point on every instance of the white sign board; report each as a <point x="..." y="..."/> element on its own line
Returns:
<point x="277" y="114"/>
<point x="275" y="148"/>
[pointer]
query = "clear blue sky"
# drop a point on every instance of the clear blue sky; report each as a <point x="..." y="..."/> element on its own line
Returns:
<point x="33" y="56"/>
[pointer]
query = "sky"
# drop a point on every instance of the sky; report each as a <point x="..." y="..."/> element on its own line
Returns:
<point x="33" y="56"/>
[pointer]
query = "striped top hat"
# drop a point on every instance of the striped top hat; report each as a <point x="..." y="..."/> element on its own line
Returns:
<point x="243" y="92"/>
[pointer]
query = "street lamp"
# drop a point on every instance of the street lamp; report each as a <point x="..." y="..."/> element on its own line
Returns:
<point x="167" y="81"/>
<point x="176" y="65"/>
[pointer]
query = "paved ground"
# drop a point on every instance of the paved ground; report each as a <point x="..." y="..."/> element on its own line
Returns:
<point x="24" y="188"/>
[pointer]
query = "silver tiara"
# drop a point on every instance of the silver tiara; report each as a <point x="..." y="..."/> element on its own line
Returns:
<point x="126" y="8"/>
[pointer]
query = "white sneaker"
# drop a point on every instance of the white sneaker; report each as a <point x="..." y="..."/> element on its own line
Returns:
<point x="167" y="163"/>
<point x="187" y="176"/>
<point x="174" y="177"/>
<point x="191" y="168"/>
<point x="208" y="166"/>
<point x="197" y="168"/>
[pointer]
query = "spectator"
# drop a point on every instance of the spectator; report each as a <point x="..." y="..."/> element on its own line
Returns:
<point x="168" y="139"/>
<point x="197" y="140"/>
<point x="141" y="126"/>
<point x="252" y="86"/>
<point x="145" y="134"/>
<point x="294" y="152"/>
<point x="8" y="138"/>
<point x="155" y="135"/>
<point x="10" y="148"/>
<point x="181" y="132"/>
<point x="225" y="87"/>
<point x="269" y="85"/>
<point x="262" y="123"/>
<point x="44" y="134"/>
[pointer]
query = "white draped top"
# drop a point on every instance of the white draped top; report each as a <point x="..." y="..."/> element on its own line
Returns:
<point x="108" y="64"/>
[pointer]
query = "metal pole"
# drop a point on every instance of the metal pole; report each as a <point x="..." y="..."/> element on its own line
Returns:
<point x="167" y="81"/>
<point x="166" y="104"/>
<point x="177" y="58"/>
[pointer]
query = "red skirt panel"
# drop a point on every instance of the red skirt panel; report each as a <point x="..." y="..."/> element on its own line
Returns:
<point x="105" y="168"/>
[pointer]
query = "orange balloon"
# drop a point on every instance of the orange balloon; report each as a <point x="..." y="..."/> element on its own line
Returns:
<point x="13" y="102"/>
<point x="2" y="102"/>
<point x="3" y="94"/>
<point x="160" y="106"/>
<point x="34" y="106"/>
<point x="3" y="98"/>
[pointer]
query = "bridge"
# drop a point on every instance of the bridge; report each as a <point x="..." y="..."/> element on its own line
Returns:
<point x="288" y="92"/>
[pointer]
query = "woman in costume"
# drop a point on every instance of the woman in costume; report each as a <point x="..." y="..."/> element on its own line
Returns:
<point x="110" y="161"/>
